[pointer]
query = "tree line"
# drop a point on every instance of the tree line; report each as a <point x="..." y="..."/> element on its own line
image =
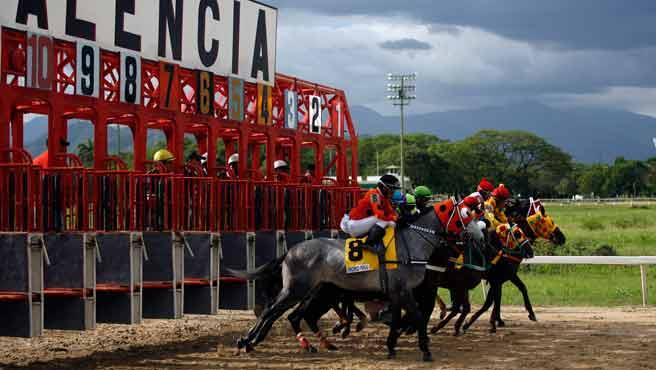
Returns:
<point x="525" y="162"/>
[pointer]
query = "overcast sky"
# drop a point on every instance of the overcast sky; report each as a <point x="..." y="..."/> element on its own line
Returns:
<point x="473" y="53"/>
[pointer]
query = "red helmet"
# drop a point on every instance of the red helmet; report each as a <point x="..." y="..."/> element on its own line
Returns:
<point x="501" y="192"/>
<point x="471" y="201"/>
<point x="485" y="185"/>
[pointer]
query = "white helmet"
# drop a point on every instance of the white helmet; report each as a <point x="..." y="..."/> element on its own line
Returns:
<point x="203" y="158"/>
<point x="279" y="164"/>
<point x="233" y="158"/>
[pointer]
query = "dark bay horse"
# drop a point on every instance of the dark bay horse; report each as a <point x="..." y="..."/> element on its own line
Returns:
<point x="524" y="213"/>
<point x="311" y="264"/>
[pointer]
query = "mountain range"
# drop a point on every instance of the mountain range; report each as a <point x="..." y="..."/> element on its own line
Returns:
<point x="589" y="134"/>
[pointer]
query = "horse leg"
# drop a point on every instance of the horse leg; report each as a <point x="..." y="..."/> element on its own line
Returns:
<point x="455" y="304"/>
<point x="313" y="324"/>
<point x="495" y="293"/>
<point x="419" y="323"/>
<point x="489" y="299"/>
<point x="283" y="299"/>
<point x="342" y="315"/>
<point x="347" y="305"/>
<point x="466" y="308"/>
<point x="394" y="333"/>
<point x="309" y="310"/>
<point x="527" y="302"/>
<point x="497" y="307"/>
<point x="363" y="320"/>
<point x="441" y="305"/>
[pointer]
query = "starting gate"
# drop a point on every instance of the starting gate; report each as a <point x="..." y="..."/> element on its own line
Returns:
<point x="118" y="242"/>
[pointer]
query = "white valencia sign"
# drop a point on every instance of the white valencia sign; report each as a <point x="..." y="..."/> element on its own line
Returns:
<point x="225" y="37"/>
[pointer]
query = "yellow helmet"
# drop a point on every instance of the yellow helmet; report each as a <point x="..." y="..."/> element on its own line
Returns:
<point x="163" y="155"/>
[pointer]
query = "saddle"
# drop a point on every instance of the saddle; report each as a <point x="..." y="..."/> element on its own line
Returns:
<point x="359" y="259"/>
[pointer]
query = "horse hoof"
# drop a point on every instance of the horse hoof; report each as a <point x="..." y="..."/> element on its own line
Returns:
<point x="346" y="333"/>
<point x="457" y="333"/>
<point x="434" y="330"/>
<point x="532" y="317"/>
<point x="427" y="357"/>
<point x="493" y="330"/>
<point x="361" y="325"/>
<point x="501" y="323"/>
<point x="328" y="346"/>
<point x="311" y="349"/>
<point x="248" y="348"/>
<point x="337" y="328"/>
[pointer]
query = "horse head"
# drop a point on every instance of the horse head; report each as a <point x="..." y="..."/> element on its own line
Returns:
<point x="531" y="215"/>
<point x="511" y="239"/>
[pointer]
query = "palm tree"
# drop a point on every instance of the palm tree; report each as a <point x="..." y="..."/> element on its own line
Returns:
<point x="85" y="152"/>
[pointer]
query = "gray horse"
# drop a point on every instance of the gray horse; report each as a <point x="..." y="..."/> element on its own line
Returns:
<point x="312" y="263"/>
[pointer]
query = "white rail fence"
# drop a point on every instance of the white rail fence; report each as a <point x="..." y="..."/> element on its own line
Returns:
<point x="602" y="201"/>
<point x="642" y="261"/>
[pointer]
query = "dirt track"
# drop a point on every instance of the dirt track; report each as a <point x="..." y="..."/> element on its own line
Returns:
<point x="576" y="338"/>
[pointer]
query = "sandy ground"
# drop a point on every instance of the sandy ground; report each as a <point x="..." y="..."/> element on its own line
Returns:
<point x="563" y="338"/>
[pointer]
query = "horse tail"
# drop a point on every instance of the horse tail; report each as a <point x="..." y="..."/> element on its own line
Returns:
<point x="269" y="271"/>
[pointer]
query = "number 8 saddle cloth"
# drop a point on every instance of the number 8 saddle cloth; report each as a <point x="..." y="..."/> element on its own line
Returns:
<point x="359" y="259"/>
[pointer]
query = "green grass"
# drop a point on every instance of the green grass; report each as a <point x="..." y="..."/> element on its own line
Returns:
<point x="628" y="231"/>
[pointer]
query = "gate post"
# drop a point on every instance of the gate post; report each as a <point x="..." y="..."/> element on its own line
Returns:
<point x="281" y="243"/>
<point x="21" y="289"/>
<point x="643" y="283"/>
<point x="250" y="266"/>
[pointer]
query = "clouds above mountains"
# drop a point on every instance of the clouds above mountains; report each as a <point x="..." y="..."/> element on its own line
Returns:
<point x="471" y="53"/>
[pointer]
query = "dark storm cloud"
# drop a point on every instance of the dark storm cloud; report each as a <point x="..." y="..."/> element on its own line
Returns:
<point x="405" y="44"/>
<point x="575" y="24"/>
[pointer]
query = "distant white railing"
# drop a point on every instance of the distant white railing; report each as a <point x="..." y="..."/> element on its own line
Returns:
<point x="605" y="201"/>
<point x="641" y="261"/>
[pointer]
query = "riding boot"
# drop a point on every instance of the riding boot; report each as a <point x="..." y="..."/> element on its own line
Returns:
<point x="375" y="240"/>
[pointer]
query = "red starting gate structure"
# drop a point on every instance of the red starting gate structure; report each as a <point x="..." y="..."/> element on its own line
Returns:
<point x="54" y="204"/>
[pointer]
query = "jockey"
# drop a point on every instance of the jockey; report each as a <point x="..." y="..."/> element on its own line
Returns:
<point x="409" y="209"/>
<point x="373" y="214"/>
<point x="233" y="166"/>
<point x="281" y="169"/>
<point x="398" y="200"/>
<point x="482" y="194"/>
<point x="423" y="197"/>
<point x="495" y="206"/>
<point x="165" y="158"/>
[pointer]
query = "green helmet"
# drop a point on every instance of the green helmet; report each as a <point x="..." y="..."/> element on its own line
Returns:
<point x="410" y="200"/>
<point x="423" y="192"/>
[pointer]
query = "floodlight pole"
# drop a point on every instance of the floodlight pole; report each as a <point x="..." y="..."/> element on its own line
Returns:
<point x="401" y="93"/>
<point x="401" y="98"/>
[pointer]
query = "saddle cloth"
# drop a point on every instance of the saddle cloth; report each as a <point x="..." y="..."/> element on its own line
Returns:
<point x="359" y="259"/>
